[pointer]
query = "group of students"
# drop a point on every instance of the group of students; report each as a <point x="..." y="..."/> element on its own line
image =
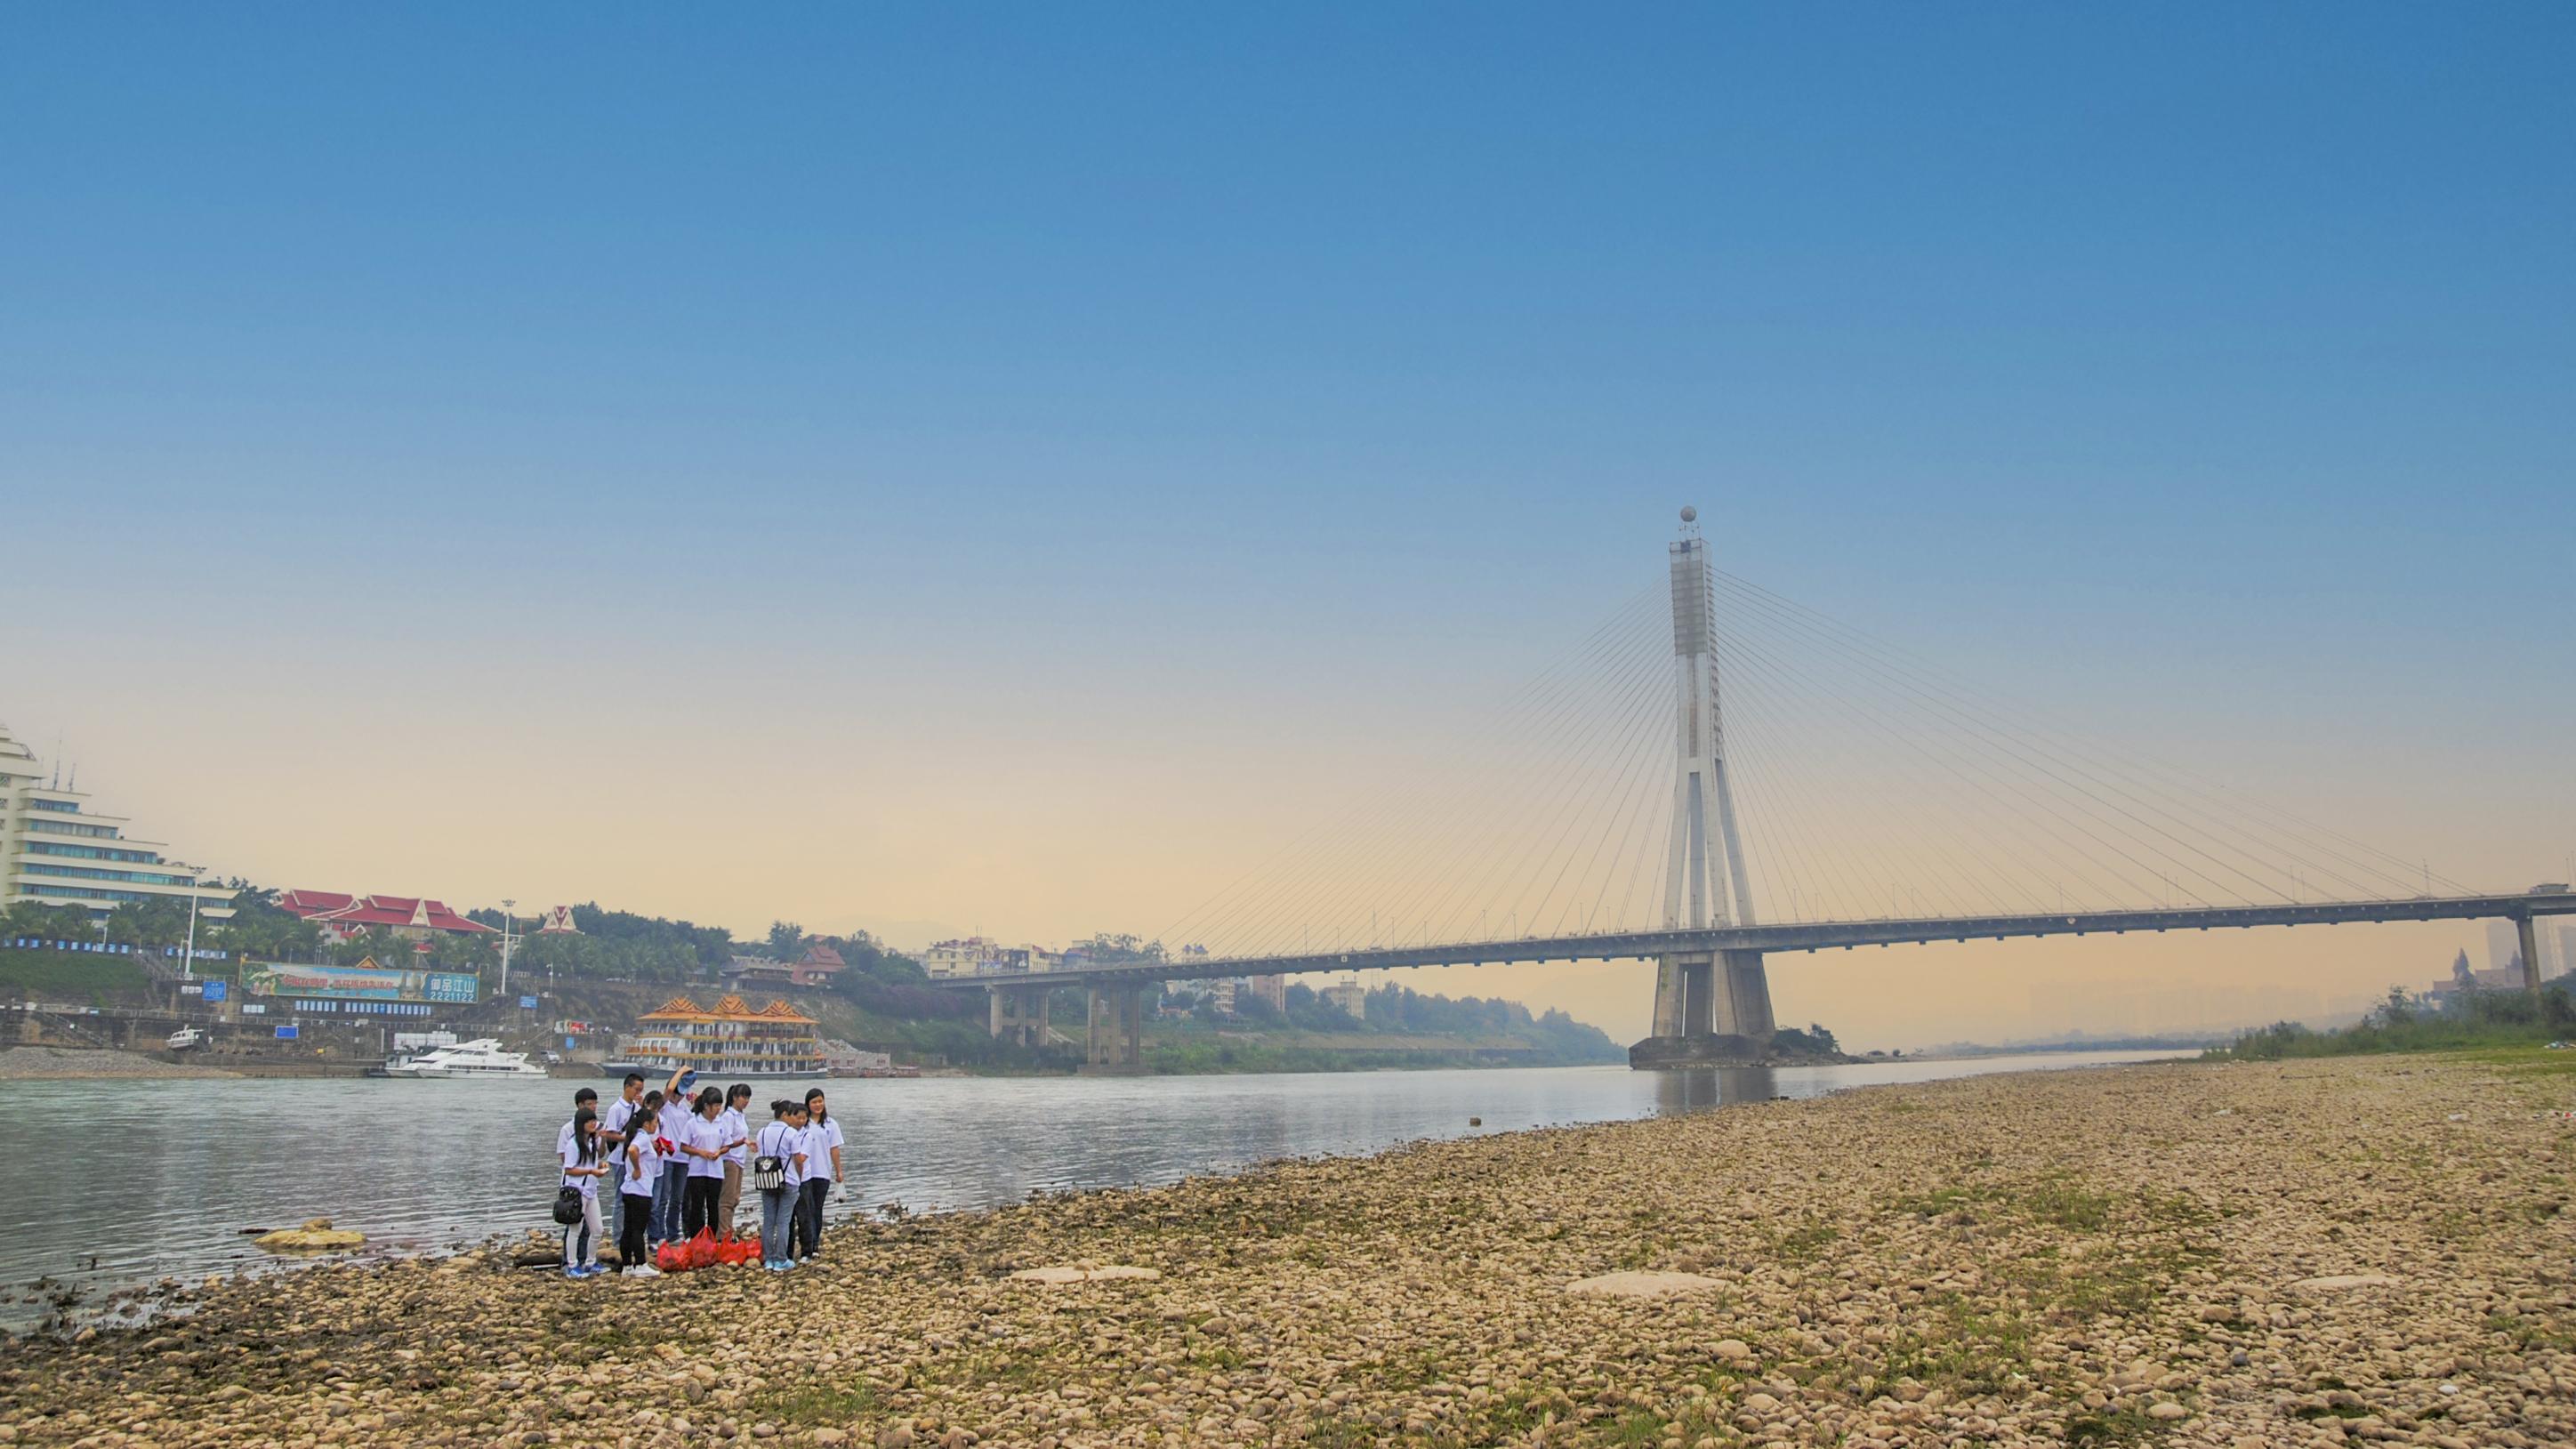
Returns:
<point x="674" y="1165"/>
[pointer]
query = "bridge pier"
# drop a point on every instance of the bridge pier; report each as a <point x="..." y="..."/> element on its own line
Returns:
<point x="1711" y="1009"/>
<point x="1019" y="1014"/>
<point x="1116" y="1039"/>
<point x="2529" y="936"/>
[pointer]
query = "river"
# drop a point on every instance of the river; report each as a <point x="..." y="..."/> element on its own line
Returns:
<point x="124" y="1182"/>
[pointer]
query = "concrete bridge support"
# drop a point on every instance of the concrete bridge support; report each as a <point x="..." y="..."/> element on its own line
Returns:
<point x="1711" y="1009"/>
<point x="1019" y="1014"/>
<point x="1117" y="1036"/>
<point x="2529" y="936"/>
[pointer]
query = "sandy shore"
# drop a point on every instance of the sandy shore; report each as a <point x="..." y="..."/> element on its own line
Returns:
<point x="45" y="1064"/>
<point x="2289" y="1254"/>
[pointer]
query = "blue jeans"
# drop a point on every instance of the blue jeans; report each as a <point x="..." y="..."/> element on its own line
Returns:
<point x="777" y="1206"/>
<point x="667" y="1195"/>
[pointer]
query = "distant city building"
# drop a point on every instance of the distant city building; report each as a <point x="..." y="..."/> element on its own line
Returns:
<point x="2466" y="982"/>
<point x="816" y="967"/>
<point x="1270" y="990"/>
<point x="414" y="918"/>
<point x="1348" y="997"/>
<point x="2504" y="948"/>
<point x="55" y="853"/>
<point x="755" y="971"/>
<point x="978" y="956"/>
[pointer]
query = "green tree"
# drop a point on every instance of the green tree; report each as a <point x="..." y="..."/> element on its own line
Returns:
<point x="37" y="921"/>
<point x="2395" y="1011"/>
<point x="786" y="940"/>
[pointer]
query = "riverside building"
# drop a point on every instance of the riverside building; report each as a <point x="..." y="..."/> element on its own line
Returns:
<point x="55" y="852"/>
<point x="726" y="1040"/>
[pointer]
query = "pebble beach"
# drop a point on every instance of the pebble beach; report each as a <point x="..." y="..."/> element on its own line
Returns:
<point x="2232" y="1254"/>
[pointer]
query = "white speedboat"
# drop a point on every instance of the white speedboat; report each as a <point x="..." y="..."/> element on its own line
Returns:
<point x="184" y="1039"/>
<point x="467" y="1060"/>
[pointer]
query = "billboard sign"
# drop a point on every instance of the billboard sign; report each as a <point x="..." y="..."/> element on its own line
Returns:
<point x="527" y="1003"/>
<point x="218" y="990"/>
<point x="365" y="981"/>
<point x="286" y="1033"/>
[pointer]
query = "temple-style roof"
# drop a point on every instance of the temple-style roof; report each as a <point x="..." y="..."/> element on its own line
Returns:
<point x="728" y="1008"/>
<point x="336" y="908"/>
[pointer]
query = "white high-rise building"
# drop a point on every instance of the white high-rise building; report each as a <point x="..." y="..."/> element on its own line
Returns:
<point x="55" y="852"/>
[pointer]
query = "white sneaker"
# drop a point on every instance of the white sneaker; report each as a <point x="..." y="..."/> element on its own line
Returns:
<point x="643" y="1270"/>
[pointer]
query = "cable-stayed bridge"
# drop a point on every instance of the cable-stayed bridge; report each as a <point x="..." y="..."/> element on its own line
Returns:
<point x="1718" y="774"/>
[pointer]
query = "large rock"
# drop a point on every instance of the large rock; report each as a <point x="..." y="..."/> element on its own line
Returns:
<point x="317" y="1235"/>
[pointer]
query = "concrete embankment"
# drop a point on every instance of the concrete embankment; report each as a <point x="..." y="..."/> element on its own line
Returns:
<point x="37" y="1064"/>
<point x="2192" y="1254"/>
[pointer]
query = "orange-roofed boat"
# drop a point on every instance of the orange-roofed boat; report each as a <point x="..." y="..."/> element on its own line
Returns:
<point x="729" y="1040"/>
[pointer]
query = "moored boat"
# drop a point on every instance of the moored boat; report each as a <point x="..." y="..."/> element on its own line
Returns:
<point x="482" y="1060"/>
<point x="728" y="1041"/>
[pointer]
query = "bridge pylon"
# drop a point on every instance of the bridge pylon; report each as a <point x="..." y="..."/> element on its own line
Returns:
<point x="1711" y="1008"/>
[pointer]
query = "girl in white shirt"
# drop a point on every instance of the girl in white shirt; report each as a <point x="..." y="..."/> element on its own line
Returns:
<point x="783" y="1138"/>
<point x="582" y="1171"/>
<point x="643" y="1169"/>
<point x="706" y="1150"/>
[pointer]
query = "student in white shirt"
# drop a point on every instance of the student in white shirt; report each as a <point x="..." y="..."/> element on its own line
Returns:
<point x="782" y="1139"/>
<point x="735" y="1128"/>
<point x="612" y="1138"/>
<point x="822" y="1172"/>
<point x="643" y="1169"/>
<point x="582" y="1170"/>
<point x="706" y="1151"/>
<point x="669" y="1195"/>
<point x="584" y="1100"/>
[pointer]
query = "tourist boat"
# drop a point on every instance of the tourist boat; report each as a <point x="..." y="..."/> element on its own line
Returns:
<point x="729" y="1041"/>
<point x="467" y="1061"/>
<point x="185" y="1038"/>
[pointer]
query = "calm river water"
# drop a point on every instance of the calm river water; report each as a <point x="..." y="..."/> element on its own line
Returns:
<point x="149" y="1178"/>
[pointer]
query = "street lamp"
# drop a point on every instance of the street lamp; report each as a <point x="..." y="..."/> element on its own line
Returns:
<point x="507" y="918"/>
<point x="188" y="955"/>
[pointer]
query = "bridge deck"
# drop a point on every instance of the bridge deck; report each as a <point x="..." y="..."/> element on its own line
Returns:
<point x="1798" y="936"/>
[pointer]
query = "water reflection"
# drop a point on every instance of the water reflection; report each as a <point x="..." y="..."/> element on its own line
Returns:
<point x="1692" y="1089"/>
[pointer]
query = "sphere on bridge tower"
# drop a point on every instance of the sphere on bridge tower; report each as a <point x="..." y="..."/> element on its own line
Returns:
<point x="1689" y="514"/>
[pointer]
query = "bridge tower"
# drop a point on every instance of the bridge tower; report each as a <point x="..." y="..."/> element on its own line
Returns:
<point x="1710" y="1007"/>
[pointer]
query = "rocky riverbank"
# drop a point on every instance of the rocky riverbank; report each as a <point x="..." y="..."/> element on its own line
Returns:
<point x="2201" y="1254"/>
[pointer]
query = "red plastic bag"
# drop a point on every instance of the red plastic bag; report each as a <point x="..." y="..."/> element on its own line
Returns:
<point x="671" y="1258"/>
<point x="701" y="1250"/>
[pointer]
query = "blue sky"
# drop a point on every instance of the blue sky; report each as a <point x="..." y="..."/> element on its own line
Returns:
<point x="2203" y="368"/>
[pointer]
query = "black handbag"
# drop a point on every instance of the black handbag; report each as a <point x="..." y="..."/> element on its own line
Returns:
<point x="768" y="1173"/>
<point x="568" y="1206"/>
